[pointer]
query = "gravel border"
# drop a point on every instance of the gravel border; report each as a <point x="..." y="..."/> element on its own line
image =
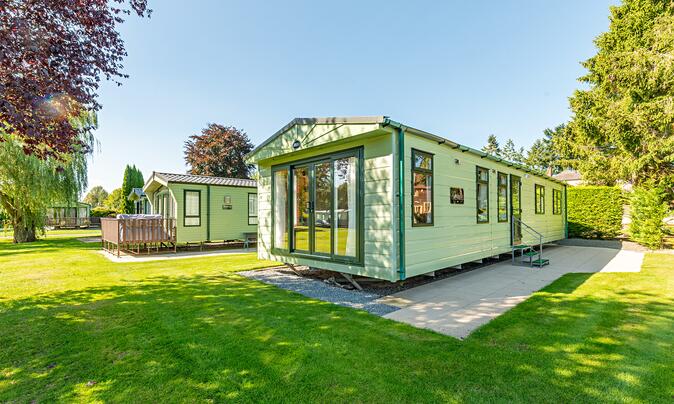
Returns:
<point x="287" y="279"/>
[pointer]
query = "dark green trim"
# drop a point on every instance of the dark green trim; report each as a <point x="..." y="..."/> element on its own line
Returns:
<point x="414" y="170"/>
<point x="556" y="198"/>
<point x="566" y="215"/>
<point x="536" y="200"/>
<point x="274" y="248"/>
<point x="358" y="260"/>
<point x="478" y="181"/>
<point x="185" y="191"/>
<point x="498" y="196"/>
<point x="401" y="203"/>
<point x="208" y="212"/>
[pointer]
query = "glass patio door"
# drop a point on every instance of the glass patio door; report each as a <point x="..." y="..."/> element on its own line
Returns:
<point x="301" y="209"/>
<point x="324" y="211"/>
<point x="312" y="208"/>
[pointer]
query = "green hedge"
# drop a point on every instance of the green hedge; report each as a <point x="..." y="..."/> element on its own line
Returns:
<point x="649" y="208"/>
<point x="595" y="211"/>
<point x="103" y="212"/>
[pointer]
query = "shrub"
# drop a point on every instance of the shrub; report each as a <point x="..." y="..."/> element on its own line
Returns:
<point x="102" y="211"/>
<point x="648" y="208"/>
<point x="595" y="211"/>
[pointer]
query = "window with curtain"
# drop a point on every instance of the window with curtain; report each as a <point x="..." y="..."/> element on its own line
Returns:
<point x="280" y="184"/>
<point x="482" y="182"/>
<point x="556" y="202"/>
<point x="252" y="209"/>
<point x="502" y="182"/>
<point x="422" y="188"/>
<point x="192" y="208"/>
<point x="539" y="194"/>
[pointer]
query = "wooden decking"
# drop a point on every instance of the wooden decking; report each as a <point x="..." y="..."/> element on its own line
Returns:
<point x="136" y="235"/>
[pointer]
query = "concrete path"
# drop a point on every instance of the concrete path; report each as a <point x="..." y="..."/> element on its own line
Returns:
<point x="458" y="305"/>
<point x="144" y="257"/>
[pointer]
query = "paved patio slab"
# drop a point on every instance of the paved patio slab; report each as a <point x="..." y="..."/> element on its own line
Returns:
<point x="458" y="305"/>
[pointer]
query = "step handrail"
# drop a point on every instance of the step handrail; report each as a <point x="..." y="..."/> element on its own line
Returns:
<point x="530" y="229"/>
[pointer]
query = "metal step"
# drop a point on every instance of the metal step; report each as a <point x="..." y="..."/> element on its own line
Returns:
<point x="521" y="247"/>
<point x="540" y="262"/>
<point x="530" y="253"/>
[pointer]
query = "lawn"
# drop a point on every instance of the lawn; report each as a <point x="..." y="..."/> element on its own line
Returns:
<point x="75" y="327"/>
<point x="9" y="233"/>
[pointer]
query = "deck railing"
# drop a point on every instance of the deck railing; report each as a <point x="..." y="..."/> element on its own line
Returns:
<point x="68" y="222"/>
<point x="135" y="234"/>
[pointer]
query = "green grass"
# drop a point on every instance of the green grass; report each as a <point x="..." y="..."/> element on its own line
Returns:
<point x="9" y="233"/>
<point x="75" y="327"/>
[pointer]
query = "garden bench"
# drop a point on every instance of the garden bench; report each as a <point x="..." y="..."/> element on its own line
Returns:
<point x="249" y="238"/>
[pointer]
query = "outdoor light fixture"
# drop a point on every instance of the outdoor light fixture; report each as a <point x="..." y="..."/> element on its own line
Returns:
<point x="296" y="144"/>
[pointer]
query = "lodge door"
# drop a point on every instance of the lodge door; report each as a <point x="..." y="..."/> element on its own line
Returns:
<point x="515" y="209"/>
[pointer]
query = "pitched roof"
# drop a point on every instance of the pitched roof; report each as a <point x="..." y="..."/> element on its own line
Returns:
<point x="206" y="180"/>
<point x="317" y="120"/>
<point x="568" y="175"/>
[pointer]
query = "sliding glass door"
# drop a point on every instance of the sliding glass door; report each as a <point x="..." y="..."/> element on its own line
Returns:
<point x="302" y="208"/>
<point x="322" y="207"/>
<point x="323" y="213"/>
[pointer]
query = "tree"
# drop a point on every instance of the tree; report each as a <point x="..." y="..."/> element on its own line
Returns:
<point x="545" y="152"/>
<point x="29" y="185"/>
<point x="133" y="178"/>
<point x="114" y="201"/>
<point x="96" y="196"/>
<point x="511" y="153"/>
<point x="52" y="56"/>
<point x="219" y="151"/>
<point x="622" y="126"/>
<point x="492" y="147"/>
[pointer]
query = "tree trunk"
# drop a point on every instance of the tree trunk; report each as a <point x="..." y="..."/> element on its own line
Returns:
<point x="23" y="233"/>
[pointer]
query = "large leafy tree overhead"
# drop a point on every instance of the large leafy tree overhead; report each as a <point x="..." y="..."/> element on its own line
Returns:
<point x="219" y="151"/>
<point x="52" y="57"/>
<point x="623" y="125"/>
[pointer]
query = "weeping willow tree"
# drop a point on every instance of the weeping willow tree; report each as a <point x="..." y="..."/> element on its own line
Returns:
<point x="29" y="185"/>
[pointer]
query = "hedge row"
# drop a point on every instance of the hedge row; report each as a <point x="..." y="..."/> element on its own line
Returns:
<point x="103" y="212"/>
<point x="595" y="211"/>
<point x="649" y="208"/>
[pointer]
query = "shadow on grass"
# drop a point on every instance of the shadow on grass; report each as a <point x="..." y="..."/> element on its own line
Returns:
<point x="227" y="338"/>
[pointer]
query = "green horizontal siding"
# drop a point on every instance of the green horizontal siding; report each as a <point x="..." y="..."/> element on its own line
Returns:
<point x="456" y="237"/>
<point x="378" y="217"/>
<point x="225" y="224"/>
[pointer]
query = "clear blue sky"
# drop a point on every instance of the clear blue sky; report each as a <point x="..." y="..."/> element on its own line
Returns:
<point x="460" y="69"/>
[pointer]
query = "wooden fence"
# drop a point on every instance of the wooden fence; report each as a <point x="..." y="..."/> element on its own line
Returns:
<point x="134" y="235"/>
<point x="68" y="222"/>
